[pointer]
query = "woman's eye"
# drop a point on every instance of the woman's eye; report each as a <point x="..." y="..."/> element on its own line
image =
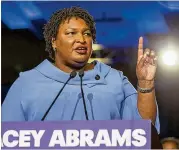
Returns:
<point x="70" y="33"/>
<point x="88" y="34"/>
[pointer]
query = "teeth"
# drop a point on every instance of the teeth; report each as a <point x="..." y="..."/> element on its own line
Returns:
<point x="81" y="48"/>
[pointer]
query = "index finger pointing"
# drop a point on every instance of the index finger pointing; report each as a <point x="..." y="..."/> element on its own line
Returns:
<point x="140" y="48"/>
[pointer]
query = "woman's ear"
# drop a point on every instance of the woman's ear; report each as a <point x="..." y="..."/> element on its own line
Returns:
<point x="54" y="46"/>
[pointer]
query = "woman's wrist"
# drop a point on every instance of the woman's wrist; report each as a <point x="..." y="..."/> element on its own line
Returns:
<point x="146" y="84"/>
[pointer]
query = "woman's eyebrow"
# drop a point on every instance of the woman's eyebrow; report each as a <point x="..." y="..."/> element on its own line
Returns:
<point x="84" y="29"/>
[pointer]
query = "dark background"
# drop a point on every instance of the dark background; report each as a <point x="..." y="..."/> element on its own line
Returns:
<point x="119" y="25"/>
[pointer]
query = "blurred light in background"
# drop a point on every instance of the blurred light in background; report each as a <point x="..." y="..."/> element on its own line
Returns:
<point x="14" y="17"/>
<point x="170" y="58"/>
<point x="97" y="47"/>
<point x="103" y="60"/>
<point x="170" y="4"/>
<point x="30" y="10"/>
<point x="97" y="54"/>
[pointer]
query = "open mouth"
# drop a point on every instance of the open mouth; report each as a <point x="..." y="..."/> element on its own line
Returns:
<point x="81" y="50"/>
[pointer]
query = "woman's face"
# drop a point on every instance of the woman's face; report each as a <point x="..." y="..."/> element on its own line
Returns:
<point x="73" y="42"/>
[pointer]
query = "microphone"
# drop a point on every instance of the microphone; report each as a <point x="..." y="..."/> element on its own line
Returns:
<point x="81" y="74"/>
<point x="72" y="75"/>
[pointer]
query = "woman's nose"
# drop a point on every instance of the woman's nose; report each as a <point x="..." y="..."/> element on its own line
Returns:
<point x="81" y="38"/>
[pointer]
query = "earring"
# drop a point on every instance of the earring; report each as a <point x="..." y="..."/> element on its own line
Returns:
<point x="55" y="49"/>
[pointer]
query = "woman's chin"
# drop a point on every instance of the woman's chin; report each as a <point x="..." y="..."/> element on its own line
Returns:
<point x="81" y="60"/>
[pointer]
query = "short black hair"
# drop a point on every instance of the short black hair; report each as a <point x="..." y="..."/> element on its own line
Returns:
<point x="59" y="17"/>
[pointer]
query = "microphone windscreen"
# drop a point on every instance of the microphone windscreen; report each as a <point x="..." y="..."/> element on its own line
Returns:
<point x="81" y="73"/>
<point x="73" y="74"/>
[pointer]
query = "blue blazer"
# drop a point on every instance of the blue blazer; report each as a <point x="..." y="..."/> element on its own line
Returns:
<point x="108" y="95"/>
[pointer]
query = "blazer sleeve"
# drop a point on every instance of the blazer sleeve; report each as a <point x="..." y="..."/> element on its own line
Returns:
<point x="129" y="106"/>
<point x="12" y="109"/>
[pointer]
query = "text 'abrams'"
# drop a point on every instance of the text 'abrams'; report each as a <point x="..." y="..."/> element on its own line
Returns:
<point x="75" y="138"/>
